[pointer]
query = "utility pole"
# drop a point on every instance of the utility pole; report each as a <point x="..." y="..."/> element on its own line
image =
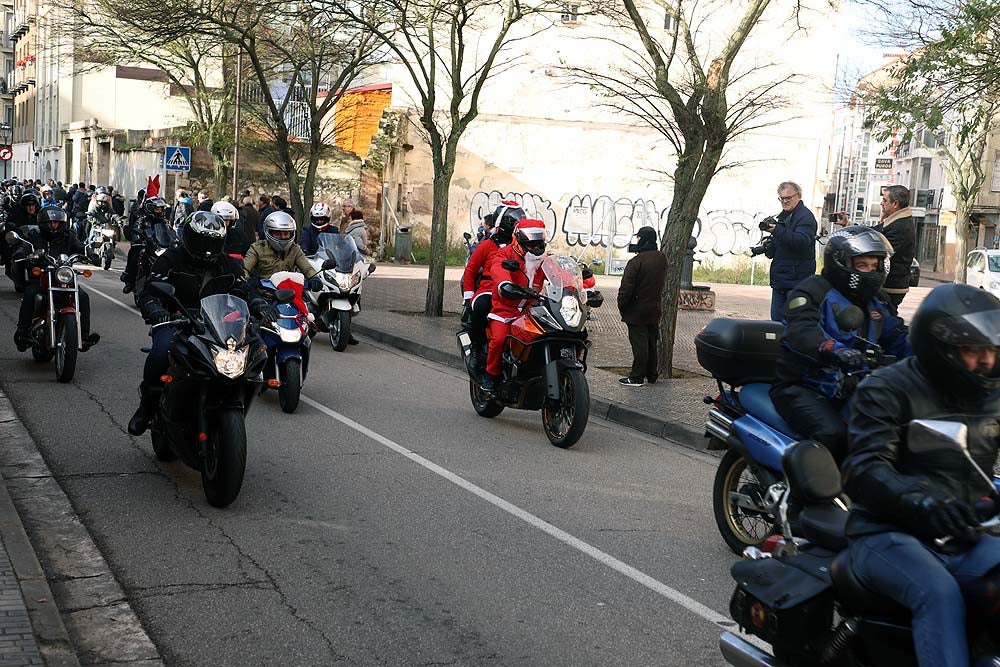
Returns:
<point x="236" y="129"/>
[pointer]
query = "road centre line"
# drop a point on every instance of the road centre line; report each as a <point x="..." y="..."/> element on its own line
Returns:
<point x="587" y="549"/>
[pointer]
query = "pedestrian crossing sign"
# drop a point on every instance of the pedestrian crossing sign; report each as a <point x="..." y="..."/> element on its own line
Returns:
<point x="177" y="158"/>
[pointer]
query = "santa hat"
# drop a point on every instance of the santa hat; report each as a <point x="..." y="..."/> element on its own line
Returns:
<point x="533" y="230"/>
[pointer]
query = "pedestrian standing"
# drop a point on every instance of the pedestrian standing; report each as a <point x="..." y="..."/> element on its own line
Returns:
<point x="347" y="206"/>
<point x="897" y="225"/>
<point x="640" y="301"/>
<point x="794" y="246"/>
<point x="263" y="210"/>
<point x="250" y="218"/>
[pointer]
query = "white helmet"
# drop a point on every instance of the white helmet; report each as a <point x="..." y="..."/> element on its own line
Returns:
<point x="319" y="215"/>
<point x="226" y="211"/>
<point x="279" y="230"/>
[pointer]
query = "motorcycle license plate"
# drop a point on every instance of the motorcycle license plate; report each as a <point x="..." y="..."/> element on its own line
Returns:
<point x="340" y="304"/>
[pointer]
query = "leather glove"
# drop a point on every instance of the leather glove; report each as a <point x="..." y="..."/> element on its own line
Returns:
<point x="265" y="311"/>
<point x="943" y="517"/>
<point x="314" y="284"/>
<point x="848" y="359"/>
<point x="159" y="316"/>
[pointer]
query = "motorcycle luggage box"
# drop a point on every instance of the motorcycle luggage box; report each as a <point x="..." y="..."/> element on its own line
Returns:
<point x="739" y="352"/>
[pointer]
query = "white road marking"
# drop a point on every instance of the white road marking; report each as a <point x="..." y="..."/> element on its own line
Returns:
<point x="602" y="557"/>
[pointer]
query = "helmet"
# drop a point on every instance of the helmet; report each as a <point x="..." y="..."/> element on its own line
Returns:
<point x="508" y="210"/>
<point x="154" y="206"/>
<point x="504" y="229"/>
<point x="102" y="189"/>
<point x="226" y="211"/>
<point x="838" y="260"/>
<point x="28" y="199"/>
<point x="529" y="237"/>
<point x="203" y="235"/>
<point x="950" y="317"/>
<point x="319" y="215"/>
<point x="102" y="201"/>
<point x="46" y="188"/>
<point x="52" y="222"/>
<point x="279" y="230"/>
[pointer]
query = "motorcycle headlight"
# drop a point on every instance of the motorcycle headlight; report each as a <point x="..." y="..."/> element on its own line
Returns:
<point x="348" y="280"/>
<point x="65" y="275"/>
<point x="569" y="309"/>
<point x="230" y="362"/>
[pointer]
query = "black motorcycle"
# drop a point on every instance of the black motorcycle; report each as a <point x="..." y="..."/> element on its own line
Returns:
<point x="216" y="360"/>
<point x="156" y="239"/>
<point x="800" y="593"/>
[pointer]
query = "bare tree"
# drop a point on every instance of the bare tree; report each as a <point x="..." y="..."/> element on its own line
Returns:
<point x="449" y="49"/>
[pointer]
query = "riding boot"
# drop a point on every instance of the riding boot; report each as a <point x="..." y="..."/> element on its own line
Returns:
<point x="139" y="422"/>
<point x="22" y="339"/>
<point x="89" y="340"/>
<point x="490" y="383"/>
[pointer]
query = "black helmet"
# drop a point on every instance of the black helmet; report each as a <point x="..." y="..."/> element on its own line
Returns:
<point x="154" y="206"/>
<point x="508" y="211"/>
<point x="27" y="199"/>
<point x="204" y="235"/>
<point x="504" y="233"/>
<point x="950" y="317"/>
<point x="838" y="260"/>
<point x="50" y="215"/>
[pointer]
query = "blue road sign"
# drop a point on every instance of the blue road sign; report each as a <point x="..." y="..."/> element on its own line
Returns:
<point x="178" y="158"/>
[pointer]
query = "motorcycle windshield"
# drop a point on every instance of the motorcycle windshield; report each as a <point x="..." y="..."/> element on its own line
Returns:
<point x="163" y="234"/>
<point x="340" y="248"/>
<point x="562" y="277"/>
<point x="225" y="317"/>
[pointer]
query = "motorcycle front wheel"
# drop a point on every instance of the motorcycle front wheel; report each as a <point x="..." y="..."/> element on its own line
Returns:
<point x="340" y="330"/>
<point x="564" y="423"/>
<point x="740" y="526"/>
<point x="291" y="385"/>
<point x="161" y="443"/>
<point x="225" y="459"/>
<point x="109" y="254"/>
<point x="67" y="347"/>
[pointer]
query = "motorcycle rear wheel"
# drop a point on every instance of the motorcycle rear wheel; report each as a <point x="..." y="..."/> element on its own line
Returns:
<point x="225" y="459"/>
<point x="291" y="385"/>
<point x="739" y="527"/>
<point x="340" y="330"/>
<point x="564" y="424"/>
<point x="483" y="405"/>
<point x="67" y="347"/>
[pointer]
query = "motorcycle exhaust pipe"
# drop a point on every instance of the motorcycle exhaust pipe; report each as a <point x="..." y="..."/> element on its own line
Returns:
<point x="718" y="431"/>
<point x="718" y="417"/>
<point x="741" y="653"/>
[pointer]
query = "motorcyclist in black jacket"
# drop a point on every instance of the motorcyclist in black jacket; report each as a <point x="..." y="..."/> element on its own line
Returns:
<point x="54" y="237"/>
<point x="903" y="500"/>
<point x="23" y="213"/>
<point x="196" y="269"/>
<point x="153" y="210"/>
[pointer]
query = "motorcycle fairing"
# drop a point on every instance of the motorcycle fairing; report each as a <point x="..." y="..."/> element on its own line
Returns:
<point x="764" y="444"/>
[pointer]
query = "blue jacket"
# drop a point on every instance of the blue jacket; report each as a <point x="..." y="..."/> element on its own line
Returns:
<point x="310" y="237"/>
<point x="811" y="331"/>
<point x="794" y="248"/>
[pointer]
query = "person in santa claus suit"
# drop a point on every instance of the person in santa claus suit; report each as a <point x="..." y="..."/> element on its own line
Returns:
<point x="526" y="251"/>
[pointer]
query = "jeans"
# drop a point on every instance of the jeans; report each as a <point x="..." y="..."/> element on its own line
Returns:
<point x="642" y="338"/>
<point x="778" y="298"/>
<point x="902" y="568"/>
<point x="27" y="311"/>
<point x="156" y="360"/>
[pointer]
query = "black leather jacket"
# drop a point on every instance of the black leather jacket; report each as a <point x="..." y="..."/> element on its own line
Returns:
<point x="192" y="282"/>
<point x="880" y="469"/>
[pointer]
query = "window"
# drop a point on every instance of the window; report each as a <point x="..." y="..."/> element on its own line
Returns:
<point x="669" y="21"/>
<point x="570" y="12"/>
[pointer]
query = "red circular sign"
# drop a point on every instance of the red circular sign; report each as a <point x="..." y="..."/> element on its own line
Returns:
<point x="6" y="153"/>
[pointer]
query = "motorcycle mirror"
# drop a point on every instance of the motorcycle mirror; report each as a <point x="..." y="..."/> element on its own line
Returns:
<point x="329" y="264"/>
<point x="850" y="318"/>
<point x="284" y="295"/>
<point x="163" y="290"/>
<point x="467" y="236"/>
<point x="511" y="264"/>
<point x="929" y="435"/>
<point x="371" y="269"/>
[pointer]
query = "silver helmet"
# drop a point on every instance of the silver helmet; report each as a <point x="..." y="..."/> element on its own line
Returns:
<point x="279" y="230"/>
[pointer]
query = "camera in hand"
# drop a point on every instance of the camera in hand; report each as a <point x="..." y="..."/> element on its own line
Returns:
<point x="766" y="246"/>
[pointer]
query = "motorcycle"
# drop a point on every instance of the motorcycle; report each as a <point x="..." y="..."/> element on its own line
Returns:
<point x="287" y="341"/>
<point x="544" y="356"/>
<point x="157" y="239"/>
<point x="101" y="241"/>
<point x="743" y="421"/>
<point x="216" y="361"/>
<point x="800" y="594"/>
<point x="55" y="327"/>
<point x="341" y="270"/>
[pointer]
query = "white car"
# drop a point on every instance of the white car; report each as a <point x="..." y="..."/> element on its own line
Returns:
<point x="982" y="269"/>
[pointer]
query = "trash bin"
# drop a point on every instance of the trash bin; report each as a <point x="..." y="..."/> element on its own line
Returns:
<point x="403" y="247"/>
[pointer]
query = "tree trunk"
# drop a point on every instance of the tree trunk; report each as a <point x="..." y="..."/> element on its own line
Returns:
<point x="961" y="239"/>
<point x="220" y="172"/>
<point x="288" y="167"/>
<point x="444" y="168"/>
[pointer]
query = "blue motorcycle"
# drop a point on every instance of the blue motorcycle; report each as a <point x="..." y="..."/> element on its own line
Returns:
<point x="749" y="483"/>
<point x="287" y="341"/>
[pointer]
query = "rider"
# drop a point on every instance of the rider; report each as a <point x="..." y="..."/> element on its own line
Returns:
<point x="48" y="197"/>
<point x="808" y="392"/>
<point x="278" y="251"/>
<point x="319" y="223"/>
<point x="24" y="213"/>
<point x="152" y="211"/>
<point x="477" y="285"/>
<point x="196" y="268"/>
<point x="53" y="237"/>
<point x="527" y="250"/>
<point x="903" y="499"/>
<point x="237" y="242"/>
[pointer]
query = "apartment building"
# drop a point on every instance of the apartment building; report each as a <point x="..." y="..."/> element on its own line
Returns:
<point x="21" y="86"/>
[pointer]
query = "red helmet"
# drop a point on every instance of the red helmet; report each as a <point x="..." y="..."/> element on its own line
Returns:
<point x="529" y="236"/>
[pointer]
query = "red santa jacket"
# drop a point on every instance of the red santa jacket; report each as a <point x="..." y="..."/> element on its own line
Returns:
<point x="480" y="262"/>
<point x="507" y="310"/>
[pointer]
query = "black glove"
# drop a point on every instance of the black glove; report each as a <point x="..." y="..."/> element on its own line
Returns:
<point x="935" y="517"/>
<point x="314" y="284"/>
<point x="848" y="359"/>
<point x="265" y="311"/>
<point x="159" y="316"/>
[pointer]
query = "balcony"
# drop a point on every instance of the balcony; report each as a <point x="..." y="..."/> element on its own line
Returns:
<point x="929" y="199"/>
<point x="21" y="78"/>
<point x="19" y="26"/>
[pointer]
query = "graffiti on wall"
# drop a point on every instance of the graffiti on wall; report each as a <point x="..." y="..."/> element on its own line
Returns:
<point x="602" y="221"/>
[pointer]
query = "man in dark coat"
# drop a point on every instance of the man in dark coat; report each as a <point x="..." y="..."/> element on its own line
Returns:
<point x="794" y="247"/>
<point x="897" y="225"/>
<point x="640" y="301"/>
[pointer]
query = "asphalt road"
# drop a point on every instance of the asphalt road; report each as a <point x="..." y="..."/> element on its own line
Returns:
<point x="384" y="523"/>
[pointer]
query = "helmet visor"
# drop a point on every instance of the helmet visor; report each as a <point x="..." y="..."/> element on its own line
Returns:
<point x="869" y="242"/>
<point x="980" y="329"/>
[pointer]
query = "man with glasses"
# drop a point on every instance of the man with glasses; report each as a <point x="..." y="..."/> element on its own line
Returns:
<point x="794" y="246"/>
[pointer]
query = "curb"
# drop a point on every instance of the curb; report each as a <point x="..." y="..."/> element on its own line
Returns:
<point x="605" y="409"/>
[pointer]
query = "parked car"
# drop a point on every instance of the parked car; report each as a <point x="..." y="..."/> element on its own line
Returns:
<point x="982" y="270"/>
<point x="914" y="273"/>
